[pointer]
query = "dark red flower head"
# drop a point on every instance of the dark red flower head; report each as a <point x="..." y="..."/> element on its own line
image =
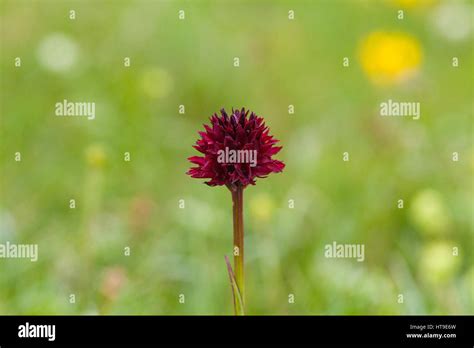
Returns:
<point x="237" y="149"/>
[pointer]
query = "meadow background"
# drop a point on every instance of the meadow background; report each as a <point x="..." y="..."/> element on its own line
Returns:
<point x="283" y="62"/>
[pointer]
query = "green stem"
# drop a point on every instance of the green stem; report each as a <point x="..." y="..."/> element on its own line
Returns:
<point x="238" y="200"/>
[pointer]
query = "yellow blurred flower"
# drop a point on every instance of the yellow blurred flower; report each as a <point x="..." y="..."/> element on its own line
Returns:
<point x="438" y="264"/>
<point x="156" y="82"/>
<point x="390" y="58"/>
<point x="413" y="3"/>
<point x="261" y="207"/>
<point x="429" y="213"/>
<point x="95" y="156"/>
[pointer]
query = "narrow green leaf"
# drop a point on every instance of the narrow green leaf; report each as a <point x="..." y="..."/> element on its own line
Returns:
<point x="238" y="303"/>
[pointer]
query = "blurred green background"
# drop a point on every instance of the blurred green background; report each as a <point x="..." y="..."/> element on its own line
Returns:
<point x="283" y="62"/>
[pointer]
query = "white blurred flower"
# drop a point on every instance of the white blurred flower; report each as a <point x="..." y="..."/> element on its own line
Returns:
<point x="304" y="149"/>
<point x="7" y="226"/>
<point x="57" y="52"/>
<point x="452" y="20"/>
<point x="200" y="216"/>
